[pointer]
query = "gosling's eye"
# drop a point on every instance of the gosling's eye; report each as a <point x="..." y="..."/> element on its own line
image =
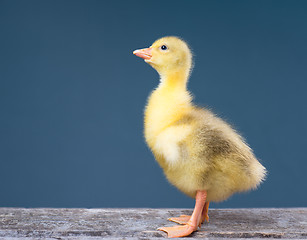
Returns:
<point x="163" y="47"/>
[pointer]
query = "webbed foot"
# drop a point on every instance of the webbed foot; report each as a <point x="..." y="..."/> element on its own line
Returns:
<point x="183" y="219"/>
<point x="178" y="231"/>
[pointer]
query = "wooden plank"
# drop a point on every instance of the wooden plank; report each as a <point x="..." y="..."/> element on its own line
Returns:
<point x="142" y="223"/>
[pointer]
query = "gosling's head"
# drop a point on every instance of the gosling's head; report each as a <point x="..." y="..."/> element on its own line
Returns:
<point x="169" y="56"/>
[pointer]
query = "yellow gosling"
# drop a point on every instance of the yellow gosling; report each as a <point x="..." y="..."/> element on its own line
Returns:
<point x="200" y="153"/>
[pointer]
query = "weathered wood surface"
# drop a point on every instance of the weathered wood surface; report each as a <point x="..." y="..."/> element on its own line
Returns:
<point x="44" y="223"/>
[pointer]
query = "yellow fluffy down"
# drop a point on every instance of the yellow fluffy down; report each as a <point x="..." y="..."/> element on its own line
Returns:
<point x="196" y="149"/>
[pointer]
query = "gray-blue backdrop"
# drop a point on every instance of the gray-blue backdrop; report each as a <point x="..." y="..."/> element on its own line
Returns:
<point x="72" y="97"/>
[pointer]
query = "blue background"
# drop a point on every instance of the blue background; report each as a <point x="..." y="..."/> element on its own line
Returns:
<point x="72" y="97"/>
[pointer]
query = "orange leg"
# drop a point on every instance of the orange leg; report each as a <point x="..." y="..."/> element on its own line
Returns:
<point x="193" y="223"/>
<point x="183" y="219"/>
<point x="205" y="216"/>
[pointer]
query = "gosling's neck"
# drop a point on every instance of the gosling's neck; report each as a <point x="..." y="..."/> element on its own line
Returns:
<point x="174" y="81"/>
<point x="166" y="104"/>
<point x="171" y="94"/>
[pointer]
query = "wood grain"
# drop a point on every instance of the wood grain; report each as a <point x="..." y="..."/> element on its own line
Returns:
<point x="57" y="223"/>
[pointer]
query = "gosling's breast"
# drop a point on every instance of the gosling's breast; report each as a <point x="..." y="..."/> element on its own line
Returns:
<point x="168" y="142"/>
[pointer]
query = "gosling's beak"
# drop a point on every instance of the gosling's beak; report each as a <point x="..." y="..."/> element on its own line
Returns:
<point x="144" y="53"/>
